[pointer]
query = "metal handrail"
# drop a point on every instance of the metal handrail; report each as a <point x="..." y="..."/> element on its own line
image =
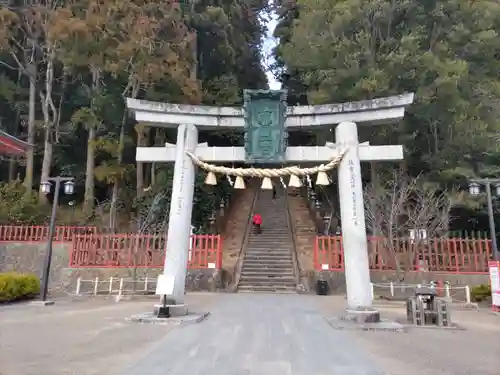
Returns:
<point x="295" y="262"/>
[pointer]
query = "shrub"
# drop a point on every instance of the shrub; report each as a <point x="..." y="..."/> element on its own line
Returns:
<point x="479" y="293"/>
<point x="14" y="286"/>
<point x="18" y="207"/>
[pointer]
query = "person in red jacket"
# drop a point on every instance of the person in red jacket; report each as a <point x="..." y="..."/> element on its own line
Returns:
<point x="257" y="222"/>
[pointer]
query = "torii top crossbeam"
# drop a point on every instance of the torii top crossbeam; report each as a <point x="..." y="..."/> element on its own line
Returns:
<point x="366" y="112"/>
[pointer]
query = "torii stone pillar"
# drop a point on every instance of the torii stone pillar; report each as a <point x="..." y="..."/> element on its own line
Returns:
<point x="352" y="212"/>
<point x="181" y="208"/>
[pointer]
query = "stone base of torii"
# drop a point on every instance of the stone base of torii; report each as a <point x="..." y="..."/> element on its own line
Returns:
<point x="357" y="273"/>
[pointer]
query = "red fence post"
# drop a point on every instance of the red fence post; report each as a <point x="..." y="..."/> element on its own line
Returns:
<point x="219" y="252"/>
<point x="315" y="254"/>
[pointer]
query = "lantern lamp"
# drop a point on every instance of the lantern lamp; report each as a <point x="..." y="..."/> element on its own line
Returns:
<point x="45" y="187"/>
<point x="69" y="187"/>
<point x="474" y="188"/>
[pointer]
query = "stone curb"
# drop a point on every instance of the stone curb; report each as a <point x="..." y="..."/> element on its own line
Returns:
<point x="150" y="318"/>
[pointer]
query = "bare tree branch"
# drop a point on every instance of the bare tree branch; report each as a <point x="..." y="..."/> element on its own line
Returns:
<point x="401" y="205"/>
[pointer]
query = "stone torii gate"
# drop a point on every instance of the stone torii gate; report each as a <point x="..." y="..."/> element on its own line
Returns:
<point x="188" y="118"/>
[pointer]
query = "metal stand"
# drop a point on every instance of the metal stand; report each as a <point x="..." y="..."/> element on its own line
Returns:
<point x="164" y="310"/>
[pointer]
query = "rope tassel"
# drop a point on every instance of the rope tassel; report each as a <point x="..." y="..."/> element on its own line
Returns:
<point x="266" y="184"/>
<point x="322" y="179"/>
<point x="239" y="183"/>
<point x="294" y="181"/>
<point x="211" y="179"/>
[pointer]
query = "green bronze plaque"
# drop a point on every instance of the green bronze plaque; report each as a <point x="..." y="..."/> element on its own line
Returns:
<point x="265" y="134"/>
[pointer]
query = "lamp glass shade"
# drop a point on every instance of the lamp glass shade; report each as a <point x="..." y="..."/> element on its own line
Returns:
<point x="474" y="188"/>
<point x="497" y="190"/>
<point x="69" y="187"/>
<point x="45" y="187"/>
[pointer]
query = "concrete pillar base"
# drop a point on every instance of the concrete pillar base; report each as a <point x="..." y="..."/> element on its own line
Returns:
<point x="175" y="310"/>
<point x="362" y="315"/>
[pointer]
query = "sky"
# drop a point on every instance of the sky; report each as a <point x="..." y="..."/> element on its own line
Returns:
<point x="267" y="48"/>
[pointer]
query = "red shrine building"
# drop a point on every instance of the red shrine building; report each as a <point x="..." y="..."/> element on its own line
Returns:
<point x="12" y="146"/>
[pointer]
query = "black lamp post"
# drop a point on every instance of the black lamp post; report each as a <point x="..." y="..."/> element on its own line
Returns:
<point x="45" y="186"/>
<point x="474" y="189"/>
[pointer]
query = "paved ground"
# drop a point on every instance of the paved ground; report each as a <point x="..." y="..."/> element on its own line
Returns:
<point x="422" y="351"/>
<point x="246" y="334"/>
<point x="258" y="334"/>
<point x="78" y="338"/>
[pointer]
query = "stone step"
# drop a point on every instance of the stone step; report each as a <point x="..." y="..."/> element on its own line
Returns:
<point x="267" y="271"/>
<point x="285" y="254"/>
<point x="265" y="245"/>
<point x="269" y="237"/>
<point x="258" y="262"/>
<point x="270" y="241"/>
<point x="278" y="232"/>
<point x="275" y="272"/>
<point x="267" y="289"/>
<point x="267" y="255"/>
<point x="268" y="285"/>
<point x="277" y="221"/>
<point x="266" y="241"/>
<point x="270" y="244"/>
<point x="268" y="251"/>
<point x="265" y="279"/>
<point x="262" y="260"/>
<point x="267" y="268"/>
<point x="266" y="231"/>
<point x="268" y="261"/>
<point x="270" y="270"/>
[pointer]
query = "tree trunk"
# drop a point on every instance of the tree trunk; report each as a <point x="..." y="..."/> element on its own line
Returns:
<point x="30" y="154"/>
<point x="88" y="200"/>
<point x="14" y="132"/>
<point x="48" y="108"/>
<point x="116" y="185"/>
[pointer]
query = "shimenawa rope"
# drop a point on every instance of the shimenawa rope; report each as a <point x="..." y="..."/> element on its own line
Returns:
<point x="266" y="172"/>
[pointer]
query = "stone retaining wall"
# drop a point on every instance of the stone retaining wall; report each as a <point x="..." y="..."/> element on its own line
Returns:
<point x="29" y="257"/>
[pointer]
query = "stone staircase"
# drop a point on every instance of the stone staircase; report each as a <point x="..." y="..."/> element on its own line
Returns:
<point x="234" y="233"/>
<point x="267" y="266"/>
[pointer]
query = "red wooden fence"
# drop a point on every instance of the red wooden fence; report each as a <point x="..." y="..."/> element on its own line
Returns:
<point x="92" y="250"/>
<point x="454" y="255"/>
<point x="140" y="251"/>
<point x="38" y="233"/>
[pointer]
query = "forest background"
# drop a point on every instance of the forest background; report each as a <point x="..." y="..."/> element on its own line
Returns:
<point x="66" y="67"/>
